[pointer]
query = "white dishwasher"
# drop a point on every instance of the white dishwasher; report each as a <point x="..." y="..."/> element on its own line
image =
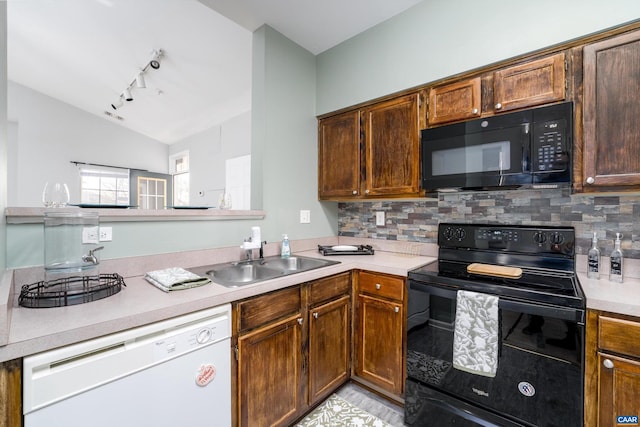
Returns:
<point x="175" y="372"/>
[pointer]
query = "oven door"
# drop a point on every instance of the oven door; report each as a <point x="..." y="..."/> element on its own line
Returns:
<point x="540" y="365"/>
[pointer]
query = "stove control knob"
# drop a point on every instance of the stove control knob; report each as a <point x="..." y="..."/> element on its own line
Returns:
<point x="539" y="237"/>
<point x="608" y="363"/>
<point x="447" y="233"/>
<point x="461" y="234"/>
<point x="557" y="238"/>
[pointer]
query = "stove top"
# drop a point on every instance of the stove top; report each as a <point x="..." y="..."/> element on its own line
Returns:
<point x="545" y="255"/>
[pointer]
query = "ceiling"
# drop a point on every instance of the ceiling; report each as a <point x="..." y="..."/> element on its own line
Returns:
<point x="86" y="52"/>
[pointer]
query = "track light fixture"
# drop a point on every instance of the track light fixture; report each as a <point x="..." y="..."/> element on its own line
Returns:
<point x="139" y="81"/>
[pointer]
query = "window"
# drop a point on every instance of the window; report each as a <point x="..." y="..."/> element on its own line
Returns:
<point x="150" y="190"/>
<point x="104" y="186"/>
<point x="179" y="169"/>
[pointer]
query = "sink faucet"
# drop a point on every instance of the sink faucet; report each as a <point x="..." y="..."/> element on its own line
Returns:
<point x="91" y="257"/>
<point x="252" y="242"/>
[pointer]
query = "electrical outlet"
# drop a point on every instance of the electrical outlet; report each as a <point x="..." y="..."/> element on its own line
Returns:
<point x="90" y="235"/>
<point x="305" y="217"/>
<point x="380" y="218"/>
<point x="106" y="234"/>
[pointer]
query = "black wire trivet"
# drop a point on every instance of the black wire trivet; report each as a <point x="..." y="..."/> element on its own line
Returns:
<point x="70" y="290"/>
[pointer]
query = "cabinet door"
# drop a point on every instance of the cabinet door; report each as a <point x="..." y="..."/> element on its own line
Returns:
<point x="329" y="347"/>
<point x="270" y="363"/>
<point x="392" y="135"/>
<point x="611" y="110"/>
<point x="455" y="101"/>
<point x="619" y="380"/>
<point x="379" y="340"/>
<point x="339" y="156"/>
<point x="532" y="83"/>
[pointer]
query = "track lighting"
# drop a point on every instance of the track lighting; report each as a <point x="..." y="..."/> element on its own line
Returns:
<point x="126" y="94"/>
<point x="139" y="81"/>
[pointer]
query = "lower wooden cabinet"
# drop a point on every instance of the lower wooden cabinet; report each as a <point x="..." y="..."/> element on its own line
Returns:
<point x="11" y="393"/>
<point x="379" y="332"/>
<point x="612" y="369"/>
<point x="292" y="350"/>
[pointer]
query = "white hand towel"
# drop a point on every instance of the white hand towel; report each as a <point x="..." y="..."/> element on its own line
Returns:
<point x="175" y="278"/>
<point x="476" y="333"/>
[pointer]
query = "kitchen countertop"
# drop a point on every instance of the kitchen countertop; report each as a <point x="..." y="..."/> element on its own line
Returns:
<point x="139" y="303"/>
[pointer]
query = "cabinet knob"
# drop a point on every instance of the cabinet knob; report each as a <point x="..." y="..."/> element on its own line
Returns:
<point x="366" y="191"/>
<point x="474" y="111"/>
<point x="300" y="320"/>
<point x="378" y="286"/>
<point x="590" y="180"/>
<point x="355" y="192"/>
<point x="607" y="363"/>
<point x="315" y="315"/>
<point x="498" y="106"/>
<point x="397" y="309"/>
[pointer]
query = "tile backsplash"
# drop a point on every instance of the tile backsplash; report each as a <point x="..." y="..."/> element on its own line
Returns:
<point x="417" y="220"/>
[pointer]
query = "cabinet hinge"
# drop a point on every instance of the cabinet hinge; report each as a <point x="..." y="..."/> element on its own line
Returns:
<point x="235" y="350"/>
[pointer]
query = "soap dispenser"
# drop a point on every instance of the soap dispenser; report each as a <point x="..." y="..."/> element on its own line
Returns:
<point x="593" y="259"/>
<point x="615" y="272"/>
<point x="285" y="251"/>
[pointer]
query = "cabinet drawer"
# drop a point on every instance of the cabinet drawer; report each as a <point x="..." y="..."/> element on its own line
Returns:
<point x="263" y="309"/>
<point x="618" y="335"/>
<point x="383" y="286"/>
<point x="329" y="288"/>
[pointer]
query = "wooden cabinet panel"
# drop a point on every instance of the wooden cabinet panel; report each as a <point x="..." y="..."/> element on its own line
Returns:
<point x="339" y="155"/>
<point x="381" y="285"/>
<point x="256" y="312"/>
<point x="379" y="343"/>
<point x="270" y="363"/>
<point x="619" y="335"/>
<point x="619" y="389"/>
<point x="611" y="109"/>
<point x="11" y="393"/>
<point x="329" y="347"/>
<point x="392" y="143"/>
<point x="456" y="101"/>
<point x="330" y="287"/>
<point x="533" y="83"/>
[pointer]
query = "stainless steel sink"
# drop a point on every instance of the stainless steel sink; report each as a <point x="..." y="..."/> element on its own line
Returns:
<point x="248" y="272"/>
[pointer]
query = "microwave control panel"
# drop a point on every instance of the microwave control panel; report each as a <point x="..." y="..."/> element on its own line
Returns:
<point x="550" y="153"/>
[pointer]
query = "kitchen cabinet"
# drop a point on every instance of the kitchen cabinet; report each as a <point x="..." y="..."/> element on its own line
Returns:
<point x="455" y="101"/>
<point x="523" y="85"/>
<point x="379" y="333"/>
<point x="371" y="152"/>
<point x="339" y="156"/>
<point x="610" y="112"/>
<point x="612" y="368"/>
<point x="293" y="349"/>
<point x="11" y="393"/>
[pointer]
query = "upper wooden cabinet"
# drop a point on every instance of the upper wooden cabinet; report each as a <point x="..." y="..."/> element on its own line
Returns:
<point x="455" y="101"/>
<point x="524" y="85"/>
<point x="371" y="152"/>
<point x="611" y="108"/>
<point x="339" y="156"/>
<point x="536" y="82"/>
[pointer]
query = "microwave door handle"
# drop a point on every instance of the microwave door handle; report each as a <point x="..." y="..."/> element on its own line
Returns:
<point x="526" y="148"/>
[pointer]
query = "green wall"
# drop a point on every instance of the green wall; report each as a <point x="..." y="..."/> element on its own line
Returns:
<point x="284" y="149"/>
<point x="440" y="38"/>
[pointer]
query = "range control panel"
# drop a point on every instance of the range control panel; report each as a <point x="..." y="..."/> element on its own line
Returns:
<point x="518" y="238"/>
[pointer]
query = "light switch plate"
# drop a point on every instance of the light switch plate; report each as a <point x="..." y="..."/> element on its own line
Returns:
<point x="106" y="234"/>
<point x="305" y="217"/>
<point x="380" y="218"/>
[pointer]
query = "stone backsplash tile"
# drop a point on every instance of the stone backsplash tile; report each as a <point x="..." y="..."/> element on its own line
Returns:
<point x="417" y="221"/>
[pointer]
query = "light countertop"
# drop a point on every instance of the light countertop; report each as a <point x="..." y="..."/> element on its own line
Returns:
<point x="139" y="303"/>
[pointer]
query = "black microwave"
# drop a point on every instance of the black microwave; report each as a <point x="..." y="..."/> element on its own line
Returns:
<point x="524" y="149"/>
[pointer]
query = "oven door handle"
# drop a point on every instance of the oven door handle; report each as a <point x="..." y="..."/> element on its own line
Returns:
<point x="555" y="312"/>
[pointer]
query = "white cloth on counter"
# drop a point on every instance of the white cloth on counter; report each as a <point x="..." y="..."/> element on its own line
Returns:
<point x="175" y="278"/>
<point x="476" y="333"/>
